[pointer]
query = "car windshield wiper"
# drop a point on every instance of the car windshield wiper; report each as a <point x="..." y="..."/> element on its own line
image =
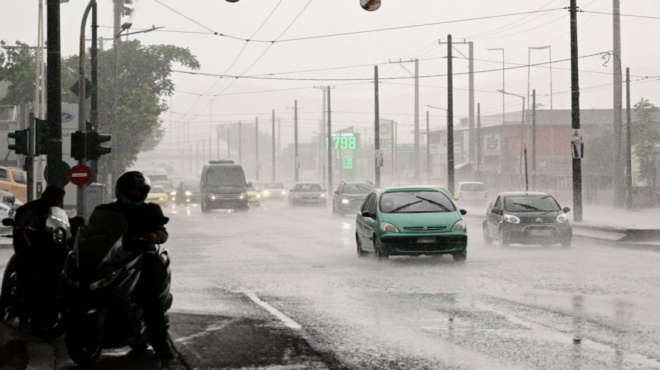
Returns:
<point x="397" y="209"/>
<point x="433" y="202"/>
<point x="527" y="206"/>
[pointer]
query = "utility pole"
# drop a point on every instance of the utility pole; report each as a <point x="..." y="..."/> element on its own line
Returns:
<point x="273" y="144"/>
<point x="450" y="117"/>
<point x="54" y="101"/>
<point x="94" y="110"/>
<point x="377" y="154"/>
<point x="256" y="146"/>
<point x="471" y="93"/>
<point x="428" y="150"/>
<point x="534" y="138"/>
<point x="619" y="185"/>
<point x="479" y="141"/>
<point x="575" y="110"/>
<point x="296" y="160"/>
<point x="502" y="131"/>
<point x="417" y="120"/>
<point x="240" y="143"/>
<point x="629" y="187"/>
<point x="321" y="151"/>
<point x="117" y="9"/>
<point x="329" y="141"/>
<point x="229" y="141"/>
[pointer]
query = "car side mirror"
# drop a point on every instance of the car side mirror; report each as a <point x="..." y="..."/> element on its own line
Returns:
<point x="497" y="211"/>
<point x="566" y="209"/>
<point x="368" y="214"/>
<point x="456" y="197"/>
<point x="8" y="222"/>
<point x="463" y="212"/>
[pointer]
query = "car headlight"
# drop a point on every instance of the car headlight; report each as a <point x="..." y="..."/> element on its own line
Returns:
<point x="458" y="226"/>
<point x="386" y="226"/>
<point x="322" y="195"/>
<point x="266" y="193"/>
<point x="258" y="196"/>
<point x="562" y="218"/>
<point x="511" y="219"/>
<point x="242" y="196"/>
<point x="173" y="193"/>
<point x="283" y="192"/>
<point x="345" y="201"/>
<point x="188" y="193"/>
<point x="213" y="197"/>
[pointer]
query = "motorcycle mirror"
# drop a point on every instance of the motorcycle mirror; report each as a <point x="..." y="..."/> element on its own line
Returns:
<point x="8" y="222"/>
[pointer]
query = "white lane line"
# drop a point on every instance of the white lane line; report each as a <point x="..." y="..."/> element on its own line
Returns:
<point x="204" y="333"/>
<point x="282" y="317"/>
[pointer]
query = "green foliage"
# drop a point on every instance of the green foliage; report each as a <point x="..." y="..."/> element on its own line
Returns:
<point x="645" y="137"/>
<point x="143" y="81"/>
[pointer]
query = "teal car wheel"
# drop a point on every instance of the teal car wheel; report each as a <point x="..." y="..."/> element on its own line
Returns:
<point x="487" y="239"/>
<point x="378" y="253"/>
<point x="360" y="252"/>
<point x="460" y="256"/>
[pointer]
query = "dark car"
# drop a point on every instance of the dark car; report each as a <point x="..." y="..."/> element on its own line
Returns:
<point x="527" y="218"/>
<point x="307" y="193"/>
<point x="187" y="192"/>
<point x="349" y="197"/>
<point x="223" y="186"/>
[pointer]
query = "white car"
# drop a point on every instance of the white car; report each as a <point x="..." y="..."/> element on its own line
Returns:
<point x="471" y="192"/>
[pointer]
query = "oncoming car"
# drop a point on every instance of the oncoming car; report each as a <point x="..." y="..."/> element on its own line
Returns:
<point x="273" y="190"/>
<point x="410" y="221"/>
<point x="158" y="195"/>
<point x="527" y="218"/>
<point x="307" y="193"/>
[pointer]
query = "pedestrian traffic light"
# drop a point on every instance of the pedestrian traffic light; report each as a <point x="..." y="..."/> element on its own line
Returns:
<point x="78" y="139"/>
<point x="41" y="137"/>
<point x="94" y="148"/>
<point x="20" y="145"/>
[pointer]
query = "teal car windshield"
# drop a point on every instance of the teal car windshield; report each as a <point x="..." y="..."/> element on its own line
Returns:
<point x="531" y="203"/>
<point x="416" y="202"/>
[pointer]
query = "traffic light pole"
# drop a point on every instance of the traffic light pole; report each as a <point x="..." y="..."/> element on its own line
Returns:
<point x="29" y="159"/>
<point x="54" y="101"/>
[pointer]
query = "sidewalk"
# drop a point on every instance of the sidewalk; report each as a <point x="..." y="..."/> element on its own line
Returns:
<point x="648" y="218"/>
<point x="13" y="351"/>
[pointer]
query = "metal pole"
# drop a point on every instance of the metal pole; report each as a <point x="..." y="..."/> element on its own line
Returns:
<point x="629" y="187"/>
<point x="552" y="110"/>
<point x="618" y="173"/>
<point x="575" y="110"/>
<point x="296" y="160"/>
<point x="329" y="141"/>
<point x="526" y="173"/>
<point x="416" y="120"/>
<point x="479" y="140"/>
<point x="377" y="154"/>
<point x="523" y="134"/>
<point x="54" y="103"/>
<point x="240" y="143"/>
<point x="29" y="160"/>
<point x="428" y="150"/>
<point x="534" y="138"/>
<point x="471" y="104"/>
<point x="229" y="141"/>
<point x="256" y="146"/>
<point x="94" y="110"/>
<point x="115" y="106"/>
<point x="81" y="207"/>
<point x="273" y="145"/>
<point x="450" y="117"/>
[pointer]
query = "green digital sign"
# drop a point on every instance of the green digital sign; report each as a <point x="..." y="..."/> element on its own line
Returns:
<point x="348" y="164"/>
<point x="344" y="141"/>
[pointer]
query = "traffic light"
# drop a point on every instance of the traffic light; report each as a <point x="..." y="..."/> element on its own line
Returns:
<point x="94" y="148"/>
<point x="20" y="145"/>
<point x="41" y="137"/>
<point x="78" y="139"/>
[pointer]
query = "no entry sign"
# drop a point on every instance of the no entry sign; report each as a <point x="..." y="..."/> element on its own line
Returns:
<point x="79" y="175"/>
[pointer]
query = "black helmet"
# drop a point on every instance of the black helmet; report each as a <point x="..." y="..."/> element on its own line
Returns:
<point x="132" y="179"/>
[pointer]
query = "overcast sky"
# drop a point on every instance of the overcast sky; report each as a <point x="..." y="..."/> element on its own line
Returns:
<point x="205" y="101"/>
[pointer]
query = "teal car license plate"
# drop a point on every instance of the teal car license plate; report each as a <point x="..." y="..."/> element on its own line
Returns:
<point x="426" y="240"/>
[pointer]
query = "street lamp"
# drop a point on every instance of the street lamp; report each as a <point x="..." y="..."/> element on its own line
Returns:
<point x="522" y="125"/>
<point x="503" y="111"/>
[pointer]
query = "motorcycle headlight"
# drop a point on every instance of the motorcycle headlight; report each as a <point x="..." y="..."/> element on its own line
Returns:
<point x="386" y="226"/>
<point x="345" y="201"/>
<point x="511" y="219"/>
<point x="458" y="226"/>
<point x="562" y="218"/>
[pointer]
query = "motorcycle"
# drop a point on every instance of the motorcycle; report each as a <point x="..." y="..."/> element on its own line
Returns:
<point x="38" y="304"/>
<point x="97" y="287"/>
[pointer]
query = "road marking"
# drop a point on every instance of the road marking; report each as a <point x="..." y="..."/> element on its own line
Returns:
<point x="282" y="317"/>
<point x="206" y="332"/>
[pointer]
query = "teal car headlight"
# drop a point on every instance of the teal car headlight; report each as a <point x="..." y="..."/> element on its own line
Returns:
<point x="458" y="226"/>
<point x="345" y="201"/>
<point x="511" y="219"/>
<point x="562" y="218"/>
<point x="386" y="226"/>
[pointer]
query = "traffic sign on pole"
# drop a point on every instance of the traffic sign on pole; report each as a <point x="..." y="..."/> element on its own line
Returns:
<point x="79" y="175"/>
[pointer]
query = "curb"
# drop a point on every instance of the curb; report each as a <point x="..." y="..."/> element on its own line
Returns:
<point x="13" y="349"/>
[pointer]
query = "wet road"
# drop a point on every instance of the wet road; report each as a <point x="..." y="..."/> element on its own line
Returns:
<point x="283" y="288"/>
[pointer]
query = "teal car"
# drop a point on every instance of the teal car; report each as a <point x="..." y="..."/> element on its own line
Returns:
<point x="410" y="221"/>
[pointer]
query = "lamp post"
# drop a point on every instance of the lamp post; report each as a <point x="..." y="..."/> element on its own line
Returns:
<point x="523" y="133"/>
<point x="503" y="110"/>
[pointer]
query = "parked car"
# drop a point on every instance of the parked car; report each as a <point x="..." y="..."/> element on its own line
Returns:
<point x="410" y="221"/>
<point x="471" y="192"/>
<point x="187" y="192"/>
<point x="307" y="193"/>
<point x="349" y="196"/>
<point x="527" y="218"/>
<point x="158" y="195"/>
<point x="14" y="180"/>
<point x="273" y="190"/>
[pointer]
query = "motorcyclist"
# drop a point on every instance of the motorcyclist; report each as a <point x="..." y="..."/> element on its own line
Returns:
<point x="145" y="230"/>
<point x="30" y="244"/>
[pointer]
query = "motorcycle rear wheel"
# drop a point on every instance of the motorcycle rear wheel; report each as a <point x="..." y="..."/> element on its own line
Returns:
<point x="83" y="346"/>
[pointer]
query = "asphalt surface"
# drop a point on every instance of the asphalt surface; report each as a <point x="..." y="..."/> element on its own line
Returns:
<point x="281" y="288"/>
